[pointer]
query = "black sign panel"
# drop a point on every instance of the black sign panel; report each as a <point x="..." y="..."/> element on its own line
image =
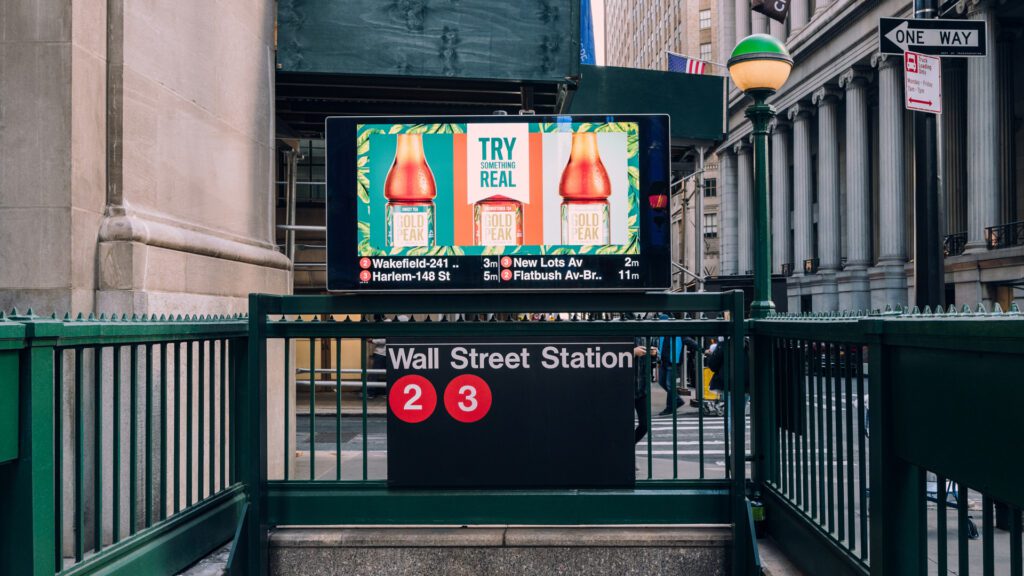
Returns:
<point x="774" y="9"/>
<point x="463" y="203"/>
<point x="932" y="37"/>
<point x="510" y="414"/>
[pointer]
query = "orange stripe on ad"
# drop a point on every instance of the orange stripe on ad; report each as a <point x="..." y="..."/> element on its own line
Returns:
<point x="463" y="212"/>
<point x="533" y="213"/>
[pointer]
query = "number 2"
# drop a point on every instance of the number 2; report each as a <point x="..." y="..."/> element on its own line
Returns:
<point x="411" y="404"/>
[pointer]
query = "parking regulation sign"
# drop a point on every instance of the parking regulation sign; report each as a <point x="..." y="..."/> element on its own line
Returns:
<point x="923" y="82"/>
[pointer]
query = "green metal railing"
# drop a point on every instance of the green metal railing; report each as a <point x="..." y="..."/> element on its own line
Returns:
<point x="127" y="444"/>
<point x="879" y="441"/>
<point x="343" y="487"/>
<point x="864" y="422"/>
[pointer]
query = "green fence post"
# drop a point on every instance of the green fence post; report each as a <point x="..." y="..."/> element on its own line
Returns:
<point x="898" y="529"/>
<point x="27" y="524"/>
<point x="762" y="406"/>
<point x="250" y="437"/>
<point x="737" y="390"/>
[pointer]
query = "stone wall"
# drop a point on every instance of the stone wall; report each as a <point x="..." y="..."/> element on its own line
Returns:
<point x="137" y="146"/>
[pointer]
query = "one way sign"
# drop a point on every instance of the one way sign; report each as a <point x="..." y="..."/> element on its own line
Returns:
<point x="932" y="37"/>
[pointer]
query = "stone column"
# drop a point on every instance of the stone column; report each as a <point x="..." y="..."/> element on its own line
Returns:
<point x="826" y="99"/>
<point x="1007" y="129"/>
<point x="742" y="19"/>
<point x="954" y="135"/>
<point x="777" y="29"/>
<point x="727" y="211"/>
<point x="758" y="23"/>
<point x="983" y="182"/>
<point x="854" y="289"/>
<point x="888" y="280"/>
<point x="781" y="249"/>
<point x="798" y="14"/>
<point x="745" y="208"/>
<point x="803" y="220"/>
<point x="726" y="29"/>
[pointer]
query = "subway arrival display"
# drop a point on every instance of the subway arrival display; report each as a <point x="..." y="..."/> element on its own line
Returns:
<point x="507" y="202"/>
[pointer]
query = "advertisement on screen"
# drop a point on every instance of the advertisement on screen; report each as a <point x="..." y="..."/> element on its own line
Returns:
<point x="469" y="203"/>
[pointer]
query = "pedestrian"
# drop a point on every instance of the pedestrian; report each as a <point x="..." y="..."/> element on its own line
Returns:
<point x="671" y="351"/>
<point x="642" y="347"/>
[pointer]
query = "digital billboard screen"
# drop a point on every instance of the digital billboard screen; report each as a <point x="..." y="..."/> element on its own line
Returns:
<point x="505" y="202"/>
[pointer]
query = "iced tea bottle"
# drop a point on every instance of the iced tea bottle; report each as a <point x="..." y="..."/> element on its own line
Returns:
<point x="410" y="191"/>
<point x="585" y="189"/>
<point x="498" y="221"/>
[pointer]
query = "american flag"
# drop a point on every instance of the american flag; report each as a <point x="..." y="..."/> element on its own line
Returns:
<point x="680" y="63"/>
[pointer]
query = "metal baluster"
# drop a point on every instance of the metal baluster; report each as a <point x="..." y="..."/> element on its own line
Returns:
<point x="223" y="412"/>
<point x="200" y="425"/>
<point x="79" y="458"/>
<point x="987" y="536"/>
<point x="940" y="531"/>
<point x="177" y="427"/>
<point x="58" y="462"/>
<point x="337" y="414"/>
<point x="190" y="406"/>
<point x="812" y="385"/>
<point x="862" y="459"/>
<point x="1016" y="557"/>
<point x="362" y="364"/>
<point x="819" y="385"/>
<point x="961" y="522"/>
<point x="97" y="425"/>
<point x="211" y="452"/>
<point x="133" y="436"/>
<point x="149" y="436"/>
<point x="700" y="408"/>
<point x="287" y="401"/>
<point x="312" y="408"/>
<point x="115" y="423"/>
<point x="850" y="497"/>
<point x="828" y="382"/>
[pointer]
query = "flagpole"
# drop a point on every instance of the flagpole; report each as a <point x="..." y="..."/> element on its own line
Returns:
<point x="712" y="62"/>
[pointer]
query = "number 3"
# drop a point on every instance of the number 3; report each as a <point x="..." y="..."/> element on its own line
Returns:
<point x="470" y="394"/>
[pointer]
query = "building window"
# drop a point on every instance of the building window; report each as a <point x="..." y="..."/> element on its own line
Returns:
<point x="705" y="52"/>
<point x="711" y="225"/>
<point x="705" y="19"/>
<point x="710" y="187"/>
<point x="310" y="173"/>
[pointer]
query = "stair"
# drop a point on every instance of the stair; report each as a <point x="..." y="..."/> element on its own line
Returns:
<point x="501" y="550"/>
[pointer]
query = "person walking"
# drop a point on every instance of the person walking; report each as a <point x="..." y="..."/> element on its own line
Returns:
<point x="643" y="347"/>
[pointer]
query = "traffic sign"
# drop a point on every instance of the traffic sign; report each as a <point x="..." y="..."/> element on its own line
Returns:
<point x="923" y="82"/>
<point x="932" y="37"/>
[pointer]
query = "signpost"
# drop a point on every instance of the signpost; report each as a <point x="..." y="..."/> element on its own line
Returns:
<point x="923" y="82"/>
<point x="932" y="37"/>
<point x="510" y="413"/>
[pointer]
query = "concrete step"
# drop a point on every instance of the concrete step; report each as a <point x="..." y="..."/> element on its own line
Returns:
<point x="501" y="550"/>
<point x="773" y="561"/>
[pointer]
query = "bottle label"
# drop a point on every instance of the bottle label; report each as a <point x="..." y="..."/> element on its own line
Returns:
<point x="585" y="223"/>
<point x="498" y="226"/>
<point x="409" y="225"/>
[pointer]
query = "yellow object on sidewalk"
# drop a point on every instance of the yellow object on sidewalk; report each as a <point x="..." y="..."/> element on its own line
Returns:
<point x="709" y="394"/>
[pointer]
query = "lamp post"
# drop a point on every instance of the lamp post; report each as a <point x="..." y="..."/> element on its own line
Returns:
<point x="759" y="66"/>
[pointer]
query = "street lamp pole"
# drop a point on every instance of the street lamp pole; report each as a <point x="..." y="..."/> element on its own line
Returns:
<point x="761" y="114"/>
<point x="759" y="66"/>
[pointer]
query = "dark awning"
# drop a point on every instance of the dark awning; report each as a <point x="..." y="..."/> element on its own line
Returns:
<point x="696" y="103"/>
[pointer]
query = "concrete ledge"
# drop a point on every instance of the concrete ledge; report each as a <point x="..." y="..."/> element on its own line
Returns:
<point x="501" y="550"/>
<point x="503" y="536"/>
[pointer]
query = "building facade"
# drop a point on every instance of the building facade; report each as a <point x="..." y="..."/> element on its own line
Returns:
<point x="639" y="34"/>
<point x="842" y="159"/>
<point x="137" y="157"/>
